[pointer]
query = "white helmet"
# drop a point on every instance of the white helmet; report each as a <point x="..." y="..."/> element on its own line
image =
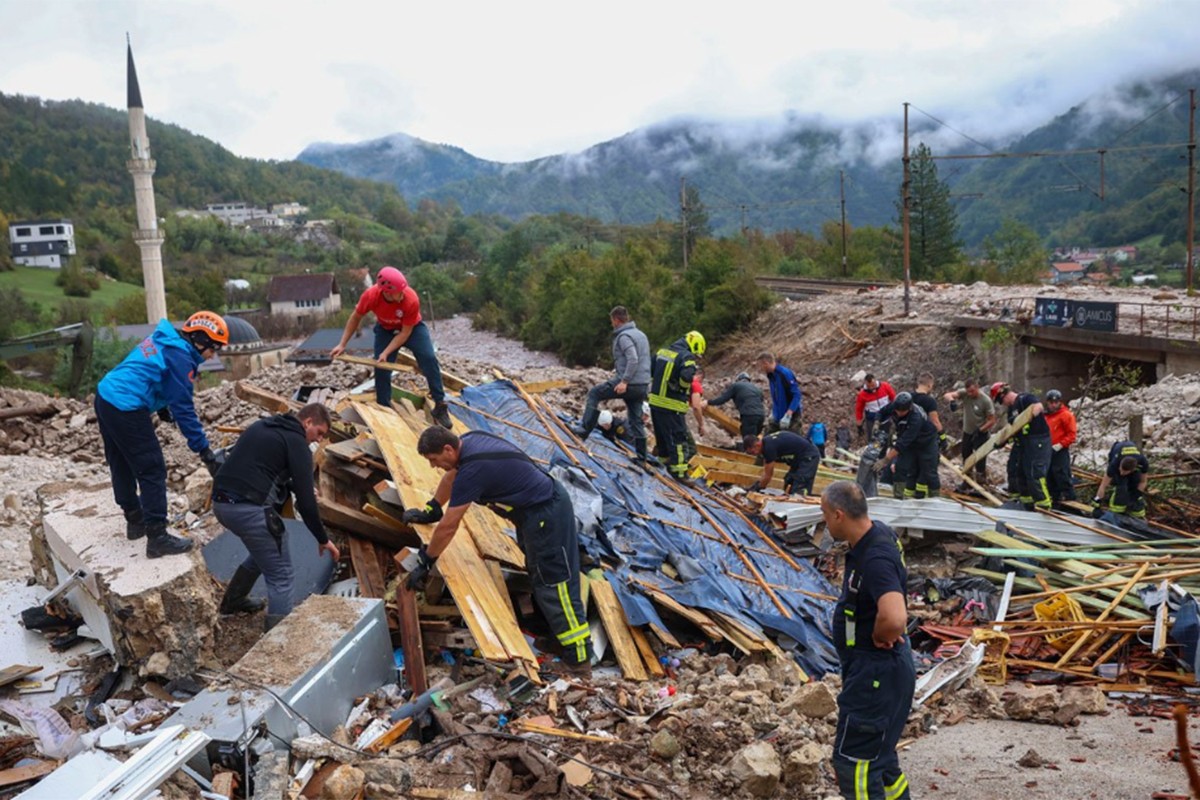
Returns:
<point x="605" y="419"/>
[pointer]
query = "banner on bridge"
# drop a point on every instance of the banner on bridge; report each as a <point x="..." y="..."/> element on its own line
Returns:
<point x="1055" y="312"/>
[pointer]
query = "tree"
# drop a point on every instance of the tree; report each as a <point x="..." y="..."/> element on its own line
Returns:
<point x="933" y="223"/>
<point x="1015" y="252"/>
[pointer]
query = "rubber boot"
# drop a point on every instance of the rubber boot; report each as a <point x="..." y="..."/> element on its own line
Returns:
<point x="160" y="543"/>
<point x="441" y="415"/>
<point x="237" y="594"/>
<point x="272" y="620"/>
<point x="135" y="528"/>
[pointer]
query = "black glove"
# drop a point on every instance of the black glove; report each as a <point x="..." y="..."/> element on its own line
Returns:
<point x="164" y="414"/>
<point x="416" y="578"/>
<point x="432" y="512"/>
<point x="754" y="487"/>
<point x="943" y="442"/>
<point x="1097" y="512"/>
<point x="211" y="462"/>
<point x="861" y="430"/>
<point x="954" y="405"/>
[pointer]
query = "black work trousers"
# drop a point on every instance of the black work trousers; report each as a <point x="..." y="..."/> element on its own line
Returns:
<point x="751" y="424"/>
<point x="873" y="706"/>
<point x="135" y="461"/>
<point x="670" y="439"/>
<point x="1126" y="497"/>
<point x="1058" y="479"/>
<point x="970" y="443"/>
<point x="549" y="537"/>
<point x="635" y="395"/>
<point x="799" y="479"/>
<point x="1032" y="469"/>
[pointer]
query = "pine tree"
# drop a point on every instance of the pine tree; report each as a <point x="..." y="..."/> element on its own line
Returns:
<point x="933" y="222"/>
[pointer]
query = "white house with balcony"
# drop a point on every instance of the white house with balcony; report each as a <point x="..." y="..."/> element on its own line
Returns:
<point x="42" y="242"/>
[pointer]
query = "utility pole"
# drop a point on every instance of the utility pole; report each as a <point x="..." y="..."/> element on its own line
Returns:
<point x="683" y="223"/>
<point x="743" y="220"/>
<point x="904" y="213"/>
<point x="1191" y="195"/>
<point x="842" y="183"/>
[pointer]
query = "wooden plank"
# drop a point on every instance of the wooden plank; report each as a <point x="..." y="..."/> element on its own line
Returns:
<point x="998" y="439"/>
<point x="628" y="656"/>
<point x="364" y="557"/>
<point x="1116" y="601"/>
<point x="538" y="387"/>
<point x="991" y="498"/>
<point x="410" y="638"/>
<point x="724" y="420"/>
<point x="275" y="403"/>
<point x="642" y="642"/>
<point x="11" y="777"/>
<point x="502" y="585"/>
<point x="697" y="618"/>
<point x="406" y="363"/>
<point x="353" y="522"/>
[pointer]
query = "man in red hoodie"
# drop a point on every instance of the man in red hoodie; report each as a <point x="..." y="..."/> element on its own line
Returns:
<point x="873" y="396"/>
<point x="1062" y="435"/>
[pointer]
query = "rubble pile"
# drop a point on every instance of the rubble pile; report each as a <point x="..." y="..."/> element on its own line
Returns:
<point x="1170" y="411"/>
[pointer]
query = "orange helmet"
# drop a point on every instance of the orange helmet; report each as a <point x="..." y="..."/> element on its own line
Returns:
<point x="210" y="324"/>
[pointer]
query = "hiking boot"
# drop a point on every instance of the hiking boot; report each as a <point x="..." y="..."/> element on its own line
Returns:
<point x="160" y="543"/>
<point x="441" y="415"/>
<point x="135" y="527"/>
<point x="237" y="598"/>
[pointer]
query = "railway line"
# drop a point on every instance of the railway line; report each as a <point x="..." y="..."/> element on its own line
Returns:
<point x="801" y="288"/>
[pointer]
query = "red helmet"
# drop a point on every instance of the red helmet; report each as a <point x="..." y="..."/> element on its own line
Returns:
<point x="998" y="390"/>
<point x="392" y="280"/>
<point x="211" y="325"/>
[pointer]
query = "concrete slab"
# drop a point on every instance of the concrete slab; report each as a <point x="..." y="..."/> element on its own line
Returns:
<point x="20" y="646"/>
<point x="157" y="615"/>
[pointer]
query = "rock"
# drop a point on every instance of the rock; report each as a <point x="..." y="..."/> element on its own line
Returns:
<point x="1039" y="705"/>
<point x="857" y="378"/>
<point x="77" y="421"/>
<point x="814" y="700"/>
<point x="802" y="767"/>
<point x="344" y="783"/>
<point x="386" y="771"/>
<point x="198" y="488"/>
<point x="1066" y="714"/>
<point x="1031" y="760"/>
<point x="757" y="768"/>
<point x="12" y="501"/>
<point x="1089" y="699"/>
<point x="664" y="745"/>
<point x="157" y="664"/>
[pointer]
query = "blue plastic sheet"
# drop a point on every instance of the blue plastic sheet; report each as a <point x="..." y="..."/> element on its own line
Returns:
<point x="645" y="523"/>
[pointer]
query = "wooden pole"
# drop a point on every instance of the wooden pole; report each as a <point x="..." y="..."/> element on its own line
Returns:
<point x="1116" y="601"/>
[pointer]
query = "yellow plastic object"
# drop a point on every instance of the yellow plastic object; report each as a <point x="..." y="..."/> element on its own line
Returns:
<point x="1060" y="607"/>
<point x="994" y="668"/>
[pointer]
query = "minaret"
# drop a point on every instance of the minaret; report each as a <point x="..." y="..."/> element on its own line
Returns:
<point x="141" y="166"/>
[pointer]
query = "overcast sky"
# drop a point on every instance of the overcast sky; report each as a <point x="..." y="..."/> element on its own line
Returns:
<point x="519" y="80"/>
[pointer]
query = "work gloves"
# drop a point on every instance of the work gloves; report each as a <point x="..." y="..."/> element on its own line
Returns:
<point x="211" y="462"/>
<point x="432" y="512"/>
<point x="785" y="421"/>
<point x="754" y="487"/>
<point x="1096" y="511"/>
<point x="861" y="430"/>
<point x="420" y="574"/>
<point x="943" y="442"/>
<point x="1056" y="447"/>
<point x="164" y="414"/>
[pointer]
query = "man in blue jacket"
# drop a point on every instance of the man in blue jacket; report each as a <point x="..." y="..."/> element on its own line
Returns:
<point x="787" y="402"/>
<point x="156" y="377"/>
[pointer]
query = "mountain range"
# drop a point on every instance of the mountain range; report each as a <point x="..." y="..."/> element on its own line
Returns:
<point x="788" y="172"/>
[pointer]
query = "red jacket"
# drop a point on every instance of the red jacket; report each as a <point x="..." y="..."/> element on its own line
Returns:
<point x="873" y="399"/>
<point x="1062" y="427"/>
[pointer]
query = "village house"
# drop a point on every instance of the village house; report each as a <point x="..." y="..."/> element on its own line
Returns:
<point x="304" y="296"/>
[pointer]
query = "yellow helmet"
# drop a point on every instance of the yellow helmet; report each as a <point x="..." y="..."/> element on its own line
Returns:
<point x="695" y="342"/>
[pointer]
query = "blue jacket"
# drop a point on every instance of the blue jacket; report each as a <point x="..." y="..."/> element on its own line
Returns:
<point x="158" y="374"/>
<point x="785" y="392"/>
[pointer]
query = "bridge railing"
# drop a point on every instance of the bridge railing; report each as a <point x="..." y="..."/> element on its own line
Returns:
<point x="1163" y="319"/>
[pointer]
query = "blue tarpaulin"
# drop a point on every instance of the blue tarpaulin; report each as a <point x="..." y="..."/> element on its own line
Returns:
<point x="644" y="522"/>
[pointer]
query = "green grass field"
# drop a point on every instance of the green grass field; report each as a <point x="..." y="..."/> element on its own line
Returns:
<point x="37" y="285"/>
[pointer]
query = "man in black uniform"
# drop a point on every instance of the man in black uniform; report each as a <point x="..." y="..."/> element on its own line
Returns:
<point x="270" y="460"/>
<point x="915" y="449"/>
<point x="869" y="623"/>
<point x="748" y="399"/>
<point x="925" y="398"/>
<point x="801" y="456"/>
<point x="1031" y="448"/>
<point x="614" y="428"/>
<point x="1128" y="473"/>
<point x="482" y="468"/>
<point x="670" y="398"/>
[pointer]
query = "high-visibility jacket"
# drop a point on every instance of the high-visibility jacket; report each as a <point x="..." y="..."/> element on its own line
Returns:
<point x="671" y="377"/>
<point x="1062" y="426"/>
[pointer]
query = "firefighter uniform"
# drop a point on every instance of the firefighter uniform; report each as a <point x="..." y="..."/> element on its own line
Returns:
<point x="800" y="455"/>
<point x="495" y="473"/>
<point x="916" y="441"/>
<point x="670" y="392"/>
<point x="877" y="684"/>
<point x="1031" y="448"/>
<point x="1126" y="497"/>
<point x="1062" y="435"/>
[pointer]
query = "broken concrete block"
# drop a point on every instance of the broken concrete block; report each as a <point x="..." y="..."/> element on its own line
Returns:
<point x="1040" y="705"/>
<point x="198" y="488"/>
<point x="135" y="606"/>
<point x="664" y="744"/>
<point x="343" y="784"/>
<point x="1089" y="699"/>
<point x="802" y="767"/>
<point x="389" y="771"/>
<point x="813" y="700"/>
<point x="757" y="768"/>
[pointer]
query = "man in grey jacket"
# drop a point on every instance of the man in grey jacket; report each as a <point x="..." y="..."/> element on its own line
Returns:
<point x="630" y="381"/>
<point x="748" y="399"/>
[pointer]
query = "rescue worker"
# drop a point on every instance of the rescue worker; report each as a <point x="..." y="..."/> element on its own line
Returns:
<point x="1062" y="435"/>
<point x="789" y="448"/>
<point x="787" y="401"/>
<point x="271" y="461"/>
<point x="670" y="394"/>
<point x="872" y="396"/>
<point x="979" y="417"/>
<point x="818" y="436"/>
<point x="924" y="398"/>
<point x="630" y="381"/>
<point x="748" y="400"/>
<point x="398" y="324"/>
<point x="914" y="450"/>
<point x="869" y="623"/>
<point x="1031" y="449"/>
<point x="482" y="468"/>
<point x="1013" y="466"/>
<point x="1128" y="473"/>
<point x="156" y="377"/>
<point x="614" y="428"/>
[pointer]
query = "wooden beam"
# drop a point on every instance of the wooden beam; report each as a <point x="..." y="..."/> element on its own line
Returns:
<point x="406" y="363"/>
<point x="1075" y="647"/>
<point x="991" y="498"/>
<point x="617" y="627"/>
<point x="275" y="403"/>
<point x="724" y="420"/>
<point x="540" y="387"/>
<point x="998" y="439"/>
<point x="364" y="557"/>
